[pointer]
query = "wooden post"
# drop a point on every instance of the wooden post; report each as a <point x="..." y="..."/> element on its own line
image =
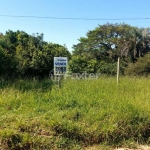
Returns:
<point x="59" y="81"/>
<point x="118" y="69"/>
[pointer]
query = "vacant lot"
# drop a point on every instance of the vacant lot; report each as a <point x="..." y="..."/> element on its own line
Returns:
<point x="82" y="113"/>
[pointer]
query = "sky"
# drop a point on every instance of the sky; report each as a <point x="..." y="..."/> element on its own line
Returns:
<point x="64" y="31"/>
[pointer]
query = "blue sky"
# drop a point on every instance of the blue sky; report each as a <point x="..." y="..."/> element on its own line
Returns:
<point x="69" y="31"/>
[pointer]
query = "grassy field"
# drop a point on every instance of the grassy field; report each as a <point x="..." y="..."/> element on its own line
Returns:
<point x="82" y="113"/>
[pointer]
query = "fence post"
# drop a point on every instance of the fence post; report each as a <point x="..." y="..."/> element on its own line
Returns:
<point x="118" y="69"/>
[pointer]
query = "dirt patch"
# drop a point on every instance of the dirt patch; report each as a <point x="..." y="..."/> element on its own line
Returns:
<point x="142" y="147"/>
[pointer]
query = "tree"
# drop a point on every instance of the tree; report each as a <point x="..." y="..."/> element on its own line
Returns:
<point x="108" y="42"/>
<point x="28" y="55"/>
<point x="7" y="64"/>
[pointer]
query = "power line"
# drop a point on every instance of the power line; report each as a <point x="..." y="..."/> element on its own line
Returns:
<point x="65" y="18"/>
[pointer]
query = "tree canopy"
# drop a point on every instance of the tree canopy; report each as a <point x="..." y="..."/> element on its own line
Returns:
<point x="22" y="54"/>
<point x="26" y="55"/>
<point x="103" y="45"/>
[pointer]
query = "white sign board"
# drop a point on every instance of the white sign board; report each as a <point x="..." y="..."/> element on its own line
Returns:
<point x="60" y="65"/>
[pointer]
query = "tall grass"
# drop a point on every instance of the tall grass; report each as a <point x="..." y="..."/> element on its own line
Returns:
<point x="39" y="115"/>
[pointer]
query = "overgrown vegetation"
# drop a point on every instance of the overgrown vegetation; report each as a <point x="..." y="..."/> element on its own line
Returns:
<point x="100" y="49"/>
<point x="37" y="115"/>
<point x="22" y="54"/>
<point x="25" y="55"/>
<point x="140" y="68"/>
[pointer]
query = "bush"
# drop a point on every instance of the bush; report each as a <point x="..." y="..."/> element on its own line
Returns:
<point x="141" y="67"/>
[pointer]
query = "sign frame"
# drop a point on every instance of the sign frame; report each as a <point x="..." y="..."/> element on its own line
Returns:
<point x="60" y="65"/>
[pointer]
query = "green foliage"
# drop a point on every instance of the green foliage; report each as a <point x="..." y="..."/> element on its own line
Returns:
<point x="106" y="43"/>
<point x="30" y="56"/>
<point x="7" y="64"/>
<point x="26" y="55"/>
<point x="141" y="67"/>
<point x="80" y="64"/>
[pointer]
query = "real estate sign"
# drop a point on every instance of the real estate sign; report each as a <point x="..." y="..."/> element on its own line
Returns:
<point x="60" y="65"/>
